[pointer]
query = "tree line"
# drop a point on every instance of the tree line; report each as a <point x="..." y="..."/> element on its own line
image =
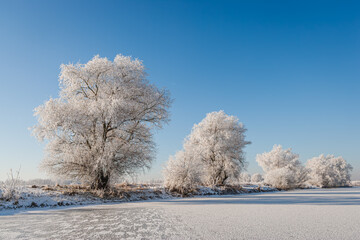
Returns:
<point x="101" y="126"/>
<point x="213" y="156"/>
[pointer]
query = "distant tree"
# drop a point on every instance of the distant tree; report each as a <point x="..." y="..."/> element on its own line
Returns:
<point x="256" y="178"/>
<point x="218" y="142"/>
<point x="182" y="173"/>
<point x="282" y="168"/>
<point x="328" y="171"/>
<point x="245" y="177"/>
<point x="101" y="125"/>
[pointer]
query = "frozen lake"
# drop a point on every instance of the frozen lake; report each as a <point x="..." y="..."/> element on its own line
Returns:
<point x="301" y="214"/>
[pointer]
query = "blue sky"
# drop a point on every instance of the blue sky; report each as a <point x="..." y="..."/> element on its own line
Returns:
<point x="288" y="69"/>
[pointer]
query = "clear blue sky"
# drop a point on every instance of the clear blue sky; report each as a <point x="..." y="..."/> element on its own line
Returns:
<point x="290" y="70"/>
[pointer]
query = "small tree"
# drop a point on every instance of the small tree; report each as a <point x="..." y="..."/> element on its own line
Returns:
<point x="101" y="125"/>
<point x="328" y="171"/>
<point x="182" y="173"/>
<point x="256" y="178"/>
<point x="218" y="142"/>
<point x="213" y="154"/>
<point x="282" y="168"/>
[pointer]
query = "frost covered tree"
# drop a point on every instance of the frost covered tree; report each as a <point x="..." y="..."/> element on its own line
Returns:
<point x="218" y="142"/>
<point x="256" y="178"/>
<point x="282" y="168"/>
<point x="212" y="154"/>
<point x="101" y="125"/>
<point x="245" y="177"/>
<point x="182" y="173"/>
<point x="328" y="171"/>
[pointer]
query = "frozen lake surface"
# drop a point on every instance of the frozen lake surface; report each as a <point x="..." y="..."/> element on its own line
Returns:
<point x="301" y="214"/>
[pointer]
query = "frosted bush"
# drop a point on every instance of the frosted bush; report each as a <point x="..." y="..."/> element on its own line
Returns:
<point x="245" y="178"/>
<point x="328" y="171"/>
<point x="281" y="178"/>
<point x="282" y="168"/>
<point x="182" y="173"/>
<point x="11" y="188"/>
<point x="256" y="178"/>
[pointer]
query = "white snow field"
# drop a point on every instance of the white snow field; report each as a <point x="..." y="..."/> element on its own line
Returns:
<point x="300" y="214"/>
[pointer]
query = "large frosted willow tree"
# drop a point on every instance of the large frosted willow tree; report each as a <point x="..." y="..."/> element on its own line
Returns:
<point x="101" y="125"/>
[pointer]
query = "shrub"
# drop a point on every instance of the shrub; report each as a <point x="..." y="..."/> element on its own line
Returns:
<point x="282" y="168"/>
<point x="328" y="171"/>
<point x="11" y="187"/>
<point x="256" y="178"/>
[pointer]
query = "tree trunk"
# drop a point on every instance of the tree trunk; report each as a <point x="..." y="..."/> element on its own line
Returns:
<point x="101" y="181"/>
<point x="220" y="177"/>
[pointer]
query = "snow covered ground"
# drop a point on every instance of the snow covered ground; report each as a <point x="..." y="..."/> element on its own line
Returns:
<point x="72" y="195"/>
<point x="300" y="214"/>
